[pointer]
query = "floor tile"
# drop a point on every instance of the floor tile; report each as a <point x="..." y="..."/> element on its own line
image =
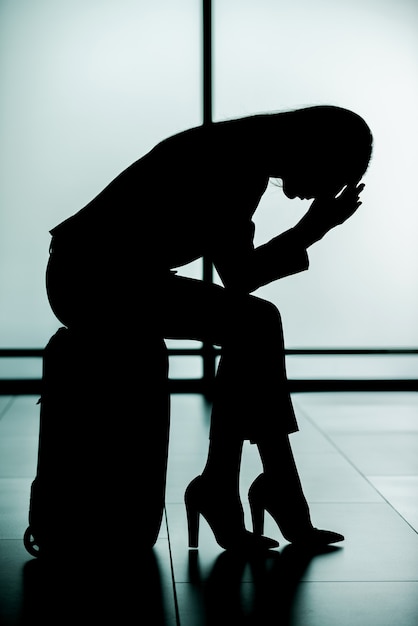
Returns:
<point x="274" y="599"/>
<point x="14" y="507"/>
<point x="329" y="477"/>
<point x="189" y="441"/>
<point x="326" y="476"/>
<point x="184" y="560"/>
<point x="309" y="437"/>
<point x="180" y="474"/>
<point x="386" y="454"/>
<point x="361" y="412"/>
<point x="21" y="419"/>
<point x="379" y="544"/>
<point x="13" y="559"/>
<point x="33" y="593"/>
<point x="367" y="419"/>
<point x="189" y="427"/>
<point x="348" y="603"/>
<point x="356" y="398"/>
<point x="18" y="456"/>
<point x="19" y="432"/>
<point x="162" y="596"/>
<point x="402" y="493"/>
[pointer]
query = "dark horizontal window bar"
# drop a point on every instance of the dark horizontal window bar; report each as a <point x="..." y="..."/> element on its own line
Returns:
<point x="38" y="352"/>
<point x="305" y="351"/>
<point x="20" y="386"/>
<point x="317" y="385"/>
<point x="11" y="387"/>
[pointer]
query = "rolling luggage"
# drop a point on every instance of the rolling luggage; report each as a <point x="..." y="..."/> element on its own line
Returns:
<point x="103" y="441"/>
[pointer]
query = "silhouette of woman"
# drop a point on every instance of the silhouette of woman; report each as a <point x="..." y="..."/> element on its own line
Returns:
<point x="193" y="195"/>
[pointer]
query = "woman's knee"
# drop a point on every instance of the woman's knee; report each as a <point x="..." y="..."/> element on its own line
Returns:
<point x="262" y="323"/>
<point x="264" y="313"/>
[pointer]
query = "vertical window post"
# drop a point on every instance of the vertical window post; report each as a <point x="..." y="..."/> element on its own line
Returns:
<point x="207" y="61"/>
<point x="208" y="352"/>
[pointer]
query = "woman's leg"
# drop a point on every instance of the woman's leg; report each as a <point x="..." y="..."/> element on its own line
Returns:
<point x="251" y="399"/>
<point x="279" y="491"/>
<point x="281" y="480"/>
<point x="252" y="347"/>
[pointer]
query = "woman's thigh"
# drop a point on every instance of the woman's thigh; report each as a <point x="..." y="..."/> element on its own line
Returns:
<point x="169" y="305"/>
<point x="193" y="309"/>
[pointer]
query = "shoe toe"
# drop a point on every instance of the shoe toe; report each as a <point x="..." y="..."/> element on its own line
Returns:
<point x="318" y="537"/>
<point x="325" y="537"/>
<point x="253" y="543"/>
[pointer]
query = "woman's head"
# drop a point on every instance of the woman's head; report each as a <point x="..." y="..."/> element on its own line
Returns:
<point x="328" y="147"/>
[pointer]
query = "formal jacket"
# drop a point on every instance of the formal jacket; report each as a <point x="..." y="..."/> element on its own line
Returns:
<point x="192" y="195"/>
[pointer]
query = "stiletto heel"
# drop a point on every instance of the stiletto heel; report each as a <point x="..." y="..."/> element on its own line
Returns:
<point x="301" y="531"/>
<point x="257" y="513"/>
<point x="224" y="516"/>
<point x="193" y="520"/>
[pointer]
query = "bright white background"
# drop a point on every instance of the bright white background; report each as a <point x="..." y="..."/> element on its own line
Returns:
<point x="361" y="289"/>
<point x="88" y="86"/>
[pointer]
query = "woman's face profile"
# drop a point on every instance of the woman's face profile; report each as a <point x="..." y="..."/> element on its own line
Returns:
<point x="311" y="179"/>
<point x="308" y="186"/>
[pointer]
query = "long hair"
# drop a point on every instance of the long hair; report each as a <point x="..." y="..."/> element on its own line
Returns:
<point x="332" y="135"/>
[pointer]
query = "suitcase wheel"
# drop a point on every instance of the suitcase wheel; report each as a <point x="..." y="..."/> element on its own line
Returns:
<point x="30" y="542"/>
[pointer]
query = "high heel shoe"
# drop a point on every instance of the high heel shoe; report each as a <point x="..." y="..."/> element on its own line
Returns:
<point x="224" y="516"/>
<point x="302" y="532"/>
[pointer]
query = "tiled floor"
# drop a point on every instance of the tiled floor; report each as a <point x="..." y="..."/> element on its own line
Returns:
<point x="358" y="459"/>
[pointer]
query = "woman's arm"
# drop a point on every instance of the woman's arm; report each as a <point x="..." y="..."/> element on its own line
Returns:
<point x="326" y="213"/>
<point x="245" y="268"/>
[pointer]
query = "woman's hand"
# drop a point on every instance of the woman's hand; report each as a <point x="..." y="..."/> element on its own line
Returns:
<point x="335" y="211"/>
<point x="326" y="213"/>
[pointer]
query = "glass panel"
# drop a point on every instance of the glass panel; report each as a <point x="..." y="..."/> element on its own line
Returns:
<point x="185" y="367"/>
<point x="370" y="367"/>
<point x="87" y="88"/>
<point x="183" y="343"/>
<point x="192" y="270"/>
<point x="363" y="55"/>
<point x="20" y="367"/>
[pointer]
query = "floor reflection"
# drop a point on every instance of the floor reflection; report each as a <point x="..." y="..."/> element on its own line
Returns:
<point x="81" y="591"/>
<point x="257" y="589"/>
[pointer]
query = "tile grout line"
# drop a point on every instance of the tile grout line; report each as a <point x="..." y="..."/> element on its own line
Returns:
<point x="176" y="605"/>
<point x="391" y="505"/>
<point x="363" y="582"/>
<point x="7" y="406"/>
<point x="305" y="414"/>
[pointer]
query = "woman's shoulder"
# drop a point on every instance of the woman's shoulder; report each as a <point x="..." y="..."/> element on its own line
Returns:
<point x="227" y="144"/>
<point x="236" y="129"/>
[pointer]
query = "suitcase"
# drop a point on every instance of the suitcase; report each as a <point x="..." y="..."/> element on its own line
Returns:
<point x="103" y="442"/>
